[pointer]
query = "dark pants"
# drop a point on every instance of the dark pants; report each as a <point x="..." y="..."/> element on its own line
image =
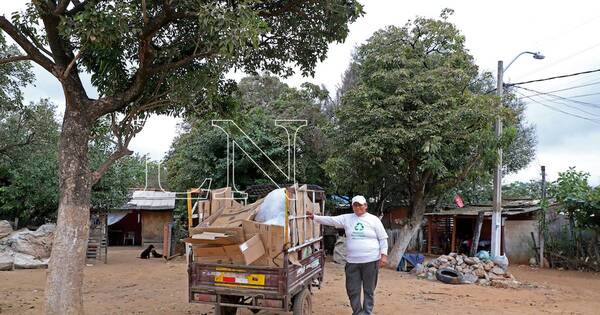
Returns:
<point x="362" y="276"/>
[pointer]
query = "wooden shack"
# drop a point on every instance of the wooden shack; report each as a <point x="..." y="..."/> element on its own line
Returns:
<point x="452" y="230"/>
<point x="141" y="221"/>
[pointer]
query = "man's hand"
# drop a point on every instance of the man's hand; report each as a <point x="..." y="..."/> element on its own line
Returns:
<point x="383" y="261"/>
<point x="310" y="215"/>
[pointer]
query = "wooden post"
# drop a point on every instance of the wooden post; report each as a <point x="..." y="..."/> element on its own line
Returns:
<point x="429" y="228"/>
<point x="542" y="219"/>
<point x="453" y="246"/>
<point x="189" y="210"/>
<point x="476" y="234"/>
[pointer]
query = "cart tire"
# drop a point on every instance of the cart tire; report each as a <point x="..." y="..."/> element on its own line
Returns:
<point x="229" y="310"/>
<point x="302" y="303"/>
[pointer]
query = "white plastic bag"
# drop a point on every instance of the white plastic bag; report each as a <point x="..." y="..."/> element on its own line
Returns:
<point x="272" y="210"/>
<point x="501" y="261"/>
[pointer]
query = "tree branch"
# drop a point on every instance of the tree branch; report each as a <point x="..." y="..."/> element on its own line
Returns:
<point x="65" y="74"/>
<point x="13" y="59"/>
<point x="32" y="51"/>
<point x="121" y="152"/>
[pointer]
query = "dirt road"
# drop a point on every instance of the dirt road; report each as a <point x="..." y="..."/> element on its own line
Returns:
<point x="128" y="285"/>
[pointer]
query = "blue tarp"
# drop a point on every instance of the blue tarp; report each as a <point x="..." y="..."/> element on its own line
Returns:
<point x="412" y="259"/>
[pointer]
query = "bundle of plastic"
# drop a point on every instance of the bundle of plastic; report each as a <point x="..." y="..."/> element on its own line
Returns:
<point x="272" y="210"/>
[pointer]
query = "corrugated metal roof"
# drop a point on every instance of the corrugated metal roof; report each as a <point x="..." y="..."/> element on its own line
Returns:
<point x="150" y="200"/>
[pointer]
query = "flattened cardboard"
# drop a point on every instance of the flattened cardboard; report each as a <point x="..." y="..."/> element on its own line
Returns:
<point x="235" y="235"/>
<point x="235" y="216"/>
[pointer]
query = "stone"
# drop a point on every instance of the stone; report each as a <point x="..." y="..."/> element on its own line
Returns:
<point x="442" y="259"/>
<point x="453" y="255"/>
<point x="459" y="260"/>
<point x="5" y="228"/>
<point x="479" y="272"/>
<point x="459" y="269"/>
<point x="36" y="243"/>
<point x="6" y="260"/>
<point x="451" y="259"/>
<point x="488" y="266"/>
<point x="497" y="270"/>
<point x="483" y="282"/>
<point x="532" y="261"/>
<point x="476" y="260"/>
<point x="506" y="284"/>
<point x="469" y="261"/>
<point x="493" y="276"/>
<point x="469" y="278"/>
<point x="24" y="261"/>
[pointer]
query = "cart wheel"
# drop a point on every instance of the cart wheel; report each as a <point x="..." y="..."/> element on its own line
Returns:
<point x="302" y="303"/>
<point x="228" y="310"/>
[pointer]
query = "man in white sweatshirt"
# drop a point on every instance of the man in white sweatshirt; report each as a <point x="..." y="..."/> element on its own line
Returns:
<point x="366" y="252"/>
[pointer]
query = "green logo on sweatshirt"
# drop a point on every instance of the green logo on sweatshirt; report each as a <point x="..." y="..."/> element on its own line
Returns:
<point x="359" y="227"/>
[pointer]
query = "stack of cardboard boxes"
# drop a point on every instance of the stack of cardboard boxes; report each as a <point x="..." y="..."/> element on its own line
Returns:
<point x="230" y="236"/>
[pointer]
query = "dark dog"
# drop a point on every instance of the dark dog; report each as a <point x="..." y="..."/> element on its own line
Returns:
<point x="155" y="254"/>
<point x="146" y="253"/>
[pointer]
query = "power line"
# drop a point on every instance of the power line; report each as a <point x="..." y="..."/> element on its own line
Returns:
<point x="560" y="97"/>
<point x="558" y="102"/>
<point x="554" y="77"/>
<point x="571" y="88"/>
<point x="565" y="112"/>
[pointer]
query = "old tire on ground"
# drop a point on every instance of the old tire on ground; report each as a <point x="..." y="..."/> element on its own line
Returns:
<point x="302" y="303"/>
<point x="229" y="310"/>
<point x="450" y="276"/>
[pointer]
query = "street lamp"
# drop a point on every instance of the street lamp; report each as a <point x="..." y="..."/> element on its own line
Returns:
<point x="497" y="197"/>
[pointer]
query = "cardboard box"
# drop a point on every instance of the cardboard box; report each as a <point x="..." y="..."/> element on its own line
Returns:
<point x="272" y="238"/>
<point x="247" y="252"/>
<point x="213" y="255"/>
<point x="233" y="235"/>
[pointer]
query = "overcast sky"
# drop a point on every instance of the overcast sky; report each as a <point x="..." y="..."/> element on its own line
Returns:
<point x="564" y="31"/>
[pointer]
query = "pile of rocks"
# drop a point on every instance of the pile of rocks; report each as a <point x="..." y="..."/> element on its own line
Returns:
<point x="471" y="269"/>
<point x="25" y="249"/>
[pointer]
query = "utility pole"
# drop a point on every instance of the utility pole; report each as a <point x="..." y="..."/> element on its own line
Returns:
<point x="542" y="218"/>
<point x="497" y="197"/>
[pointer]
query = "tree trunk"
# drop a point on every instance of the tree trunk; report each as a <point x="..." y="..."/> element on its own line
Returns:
<point x="417" y="210"/>
<point x="65" y="273"/>
<point x="407" y="232"/>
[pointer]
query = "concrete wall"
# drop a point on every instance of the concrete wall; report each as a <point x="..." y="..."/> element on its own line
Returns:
<point x="517" y="235"/>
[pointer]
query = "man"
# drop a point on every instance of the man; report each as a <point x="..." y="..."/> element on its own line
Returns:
<point x="366" y="252"/>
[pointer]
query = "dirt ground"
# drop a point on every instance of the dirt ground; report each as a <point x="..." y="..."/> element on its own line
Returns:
<point x="128" y="285"/>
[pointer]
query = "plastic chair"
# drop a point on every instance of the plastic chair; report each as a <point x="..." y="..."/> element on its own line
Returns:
<point x="129" y="236"/>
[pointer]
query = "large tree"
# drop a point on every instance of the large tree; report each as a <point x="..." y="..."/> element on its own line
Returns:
<point x="417" y="120"/>
<point x="150" y="56"/>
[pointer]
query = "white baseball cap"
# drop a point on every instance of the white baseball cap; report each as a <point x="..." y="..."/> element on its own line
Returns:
<point x="360" y="199"/>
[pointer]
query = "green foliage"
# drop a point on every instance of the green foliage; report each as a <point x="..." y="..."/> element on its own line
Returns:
<point x="13" y="77"/>
<point x="29" y="166"/>
<point x="579" y="200"/>
<point x="200" y="152"/>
